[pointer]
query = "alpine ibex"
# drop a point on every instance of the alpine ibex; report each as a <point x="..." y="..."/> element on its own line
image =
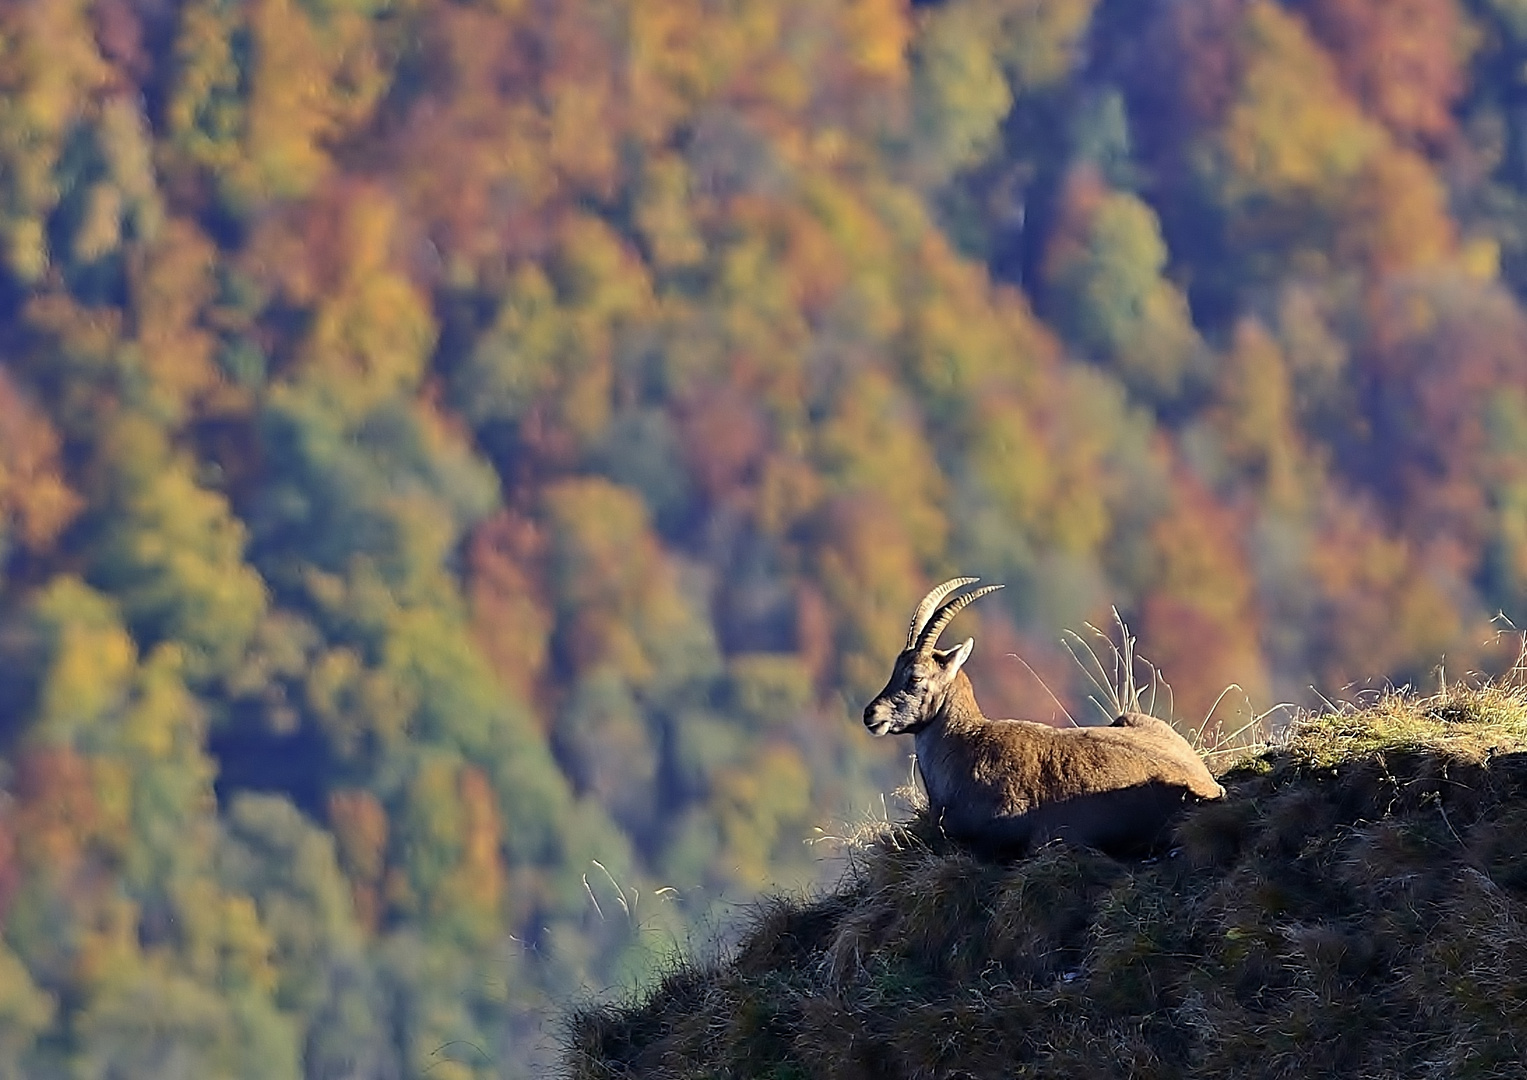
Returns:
<point x="1005" y="786"/>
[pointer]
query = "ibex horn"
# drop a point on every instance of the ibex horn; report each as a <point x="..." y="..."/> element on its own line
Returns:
<point x="946" y="615"/>
<point x="930" y="602"/>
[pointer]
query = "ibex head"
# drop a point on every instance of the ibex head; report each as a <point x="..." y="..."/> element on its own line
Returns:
<point x="923" y="673"/>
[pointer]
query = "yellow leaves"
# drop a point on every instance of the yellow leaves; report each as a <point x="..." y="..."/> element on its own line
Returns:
<point x="680" y="52"/>
<point x="597" y="272"/>
<point x="1292" y="133"/>
<point x="25" y="1009"/>
<point x="1008" y="453"/>
<point x="869" y="571"/>
<point x="165" y="721"/>
<point x="107" y="949"/>
<point x="754" y="808"/>
<point x="49" y="55"/>
<point x="224" y="939"/>
<point x="771" y="689"/>
<point x="547" y="361"/>
<point x="578" y="144"/>
<point x="961" y="92"/>
<point x="964" y="338"/>
<point x="373" y="328"/>
<point x="1256" y="422"/>
<point x="260" y="90"/>
<point x="175" y="557"/>
<point x="788" y="490"/>
<point x="1394" y="614"/>
<point x="101" y="229"/>
<point x="90" y="664"/>
<point x="49" y="72"/>
<point x="614" y="585"/>
<point x="205" y="110"/>
<point x="878" y="32"/>
<point x="172" y="282"/>
<point x="1479" y="259"/>
<point x="1301" y="161"/>
<point x="450" y="864"/>
<point x="475" y="885"/>
<point x="873" y="441"/>
<point x="1044" y="39"/>
<point x="358" y="707"/>
<point x="664" y="216"/>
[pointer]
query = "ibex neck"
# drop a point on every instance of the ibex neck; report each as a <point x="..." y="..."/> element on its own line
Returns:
<point x="959" y="708"/>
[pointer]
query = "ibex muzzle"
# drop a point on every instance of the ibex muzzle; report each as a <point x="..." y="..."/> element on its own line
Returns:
<point x="1008" y="785"/>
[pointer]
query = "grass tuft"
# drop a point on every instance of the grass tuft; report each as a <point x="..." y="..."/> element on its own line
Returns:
<point x="1358" y="904"/>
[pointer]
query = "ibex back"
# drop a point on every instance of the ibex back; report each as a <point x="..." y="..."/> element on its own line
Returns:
<point x="1005" y="786"/>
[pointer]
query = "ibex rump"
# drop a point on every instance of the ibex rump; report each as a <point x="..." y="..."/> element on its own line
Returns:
<point x="1005" y="786"/>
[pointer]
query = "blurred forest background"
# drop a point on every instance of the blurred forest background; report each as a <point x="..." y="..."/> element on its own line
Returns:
<point x="465" y="465"/>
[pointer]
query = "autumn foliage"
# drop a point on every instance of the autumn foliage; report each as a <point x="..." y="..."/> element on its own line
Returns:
<point x="464" y="465"/>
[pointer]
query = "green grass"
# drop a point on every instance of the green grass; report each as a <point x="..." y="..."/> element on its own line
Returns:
<point x="1356" y="906"/>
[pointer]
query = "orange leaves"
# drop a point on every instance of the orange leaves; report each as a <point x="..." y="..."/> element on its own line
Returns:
<point x="868" y="570"/>
<point x="506" y="560"/>
<point x="448" y="865"/>
<point x="58" y="815"/>
<point x="372" y="329"/>
<point x="172" y="283"/>
<point x="1257" y="424"/>
<point x="877" y="33"/>
<point x="36" y="501"/>
<point x="361" y="830"/>
<point x="1403" y="59"/>
<point x="725" y="440"/>
<point x="1299" y="163"/>
<point x="261" y="91"/>
<point x="618" y="594"/>
<point x="478" y="880"/>
<point x="1399" y="216"/>
<point x="1385" y="609"/>
<point x="1201" y="625"/>
<point x="1290" y="132"/>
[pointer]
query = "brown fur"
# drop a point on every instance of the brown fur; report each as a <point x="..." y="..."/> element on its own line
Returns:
<point x="1007" y="786"/>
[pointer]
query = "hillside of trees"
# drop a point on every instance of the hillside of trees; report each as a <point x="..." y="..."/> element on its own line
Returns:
<point x="464" y="464"/>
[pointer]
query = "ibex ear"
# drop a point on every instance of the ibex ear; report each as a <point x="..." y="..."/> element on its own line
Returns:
<point x="951" y="660"/>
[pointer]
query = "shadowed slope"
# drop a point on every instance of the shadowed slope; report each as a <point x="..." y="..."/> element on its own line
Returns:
<point x="1357" y="903"/>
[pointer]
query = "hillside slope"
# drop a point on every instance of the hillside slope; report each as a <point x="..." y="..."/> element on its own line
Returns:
<point x="1356" y="907"/>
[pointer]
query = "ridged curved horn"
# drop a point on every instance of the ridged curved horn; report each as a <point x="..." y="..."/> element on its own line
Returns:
<point x="946" y="615"/>
<point x="930" y="602"/>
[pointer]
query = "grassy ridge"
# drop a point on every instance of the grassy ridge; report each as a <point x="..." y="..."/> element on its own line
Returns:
<point x="1358" y="903"/>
